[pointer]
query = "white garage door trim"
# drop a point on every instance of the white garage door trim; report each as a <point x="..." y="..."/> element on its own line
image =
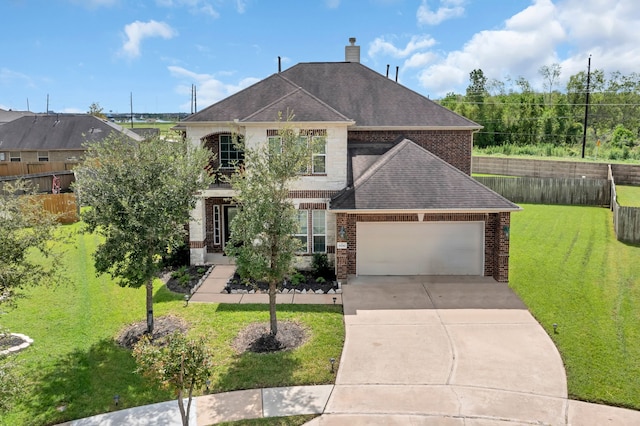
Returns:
<point x="420" y="248"/>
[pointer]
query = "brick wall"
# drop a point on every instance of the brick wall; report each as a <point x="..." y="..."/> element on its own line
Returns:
<point x="453" y="146"/>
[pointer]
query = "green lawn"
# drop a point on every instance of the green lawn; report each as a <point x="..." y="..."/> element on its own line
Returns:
<point x="628" y="196"/>
<point x="569" y="269"/>
<point x="75" y="363"/>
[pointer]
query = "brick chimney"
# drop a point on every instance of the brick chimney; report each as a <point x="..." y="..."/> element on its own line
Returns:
<point x="352" y="52"/>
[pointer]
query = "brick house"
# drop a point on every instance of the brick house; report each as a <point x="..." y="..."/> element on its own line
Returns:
<point x="390" y="193"/>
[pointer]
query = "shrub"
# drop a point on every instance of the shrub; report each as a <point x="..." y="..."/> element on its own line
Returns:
<point x="297" y="278"/>
<point x="321" y="266"/>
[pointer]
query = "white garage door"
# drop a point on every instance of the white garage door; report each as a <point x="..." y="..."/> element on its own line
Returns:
<point x="420" y="248"/>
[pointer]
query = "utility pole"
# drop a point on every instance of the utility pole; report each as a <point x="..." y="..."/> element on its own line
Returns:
<point x="586" y="109"/>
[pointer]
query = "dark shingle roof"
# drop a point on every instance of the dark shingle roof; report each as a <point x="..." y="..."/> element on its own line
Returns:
<point x="351" y="90"/>
<point x="56" y="132"/>
<point x="408" y="177"/>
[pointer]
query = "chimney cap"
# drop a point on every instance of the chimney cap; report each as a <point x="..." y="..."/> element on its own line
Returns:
<point x="352" y="40"/>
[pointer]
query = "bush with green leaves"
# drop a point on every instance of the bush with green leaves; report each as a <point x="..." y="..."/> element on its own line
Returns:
<point x="178" y="363"/>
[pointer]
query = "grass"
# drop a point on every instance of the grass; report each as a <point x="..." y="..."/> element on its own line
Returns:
<point x="569" y="269"/>
<point x="75" y="363"/>
<point x="628" y="196"/>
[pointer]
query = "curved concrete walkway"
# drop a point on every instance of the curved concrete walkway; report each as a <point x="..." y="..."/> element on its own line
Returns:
<point x="450" y="351"/>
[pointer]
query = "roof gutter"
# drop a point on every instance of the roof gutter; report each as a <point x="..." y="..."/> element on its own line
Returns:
<point x="426" y="211"/>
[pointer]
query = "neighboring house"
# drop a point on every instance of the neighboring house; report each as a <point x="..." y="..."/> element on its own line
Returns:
<point x="54" y="138"/>
<point x="10" y="115"/>
<point x="390" y="191"/>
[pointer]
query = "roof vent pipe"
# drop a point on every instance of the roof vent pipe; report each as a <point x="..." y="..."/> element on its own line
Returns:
<point x="397" y="68"/>
<point x="279" y="64"/>
<point x="352" y="52"/>
<point x="387" y="70"/>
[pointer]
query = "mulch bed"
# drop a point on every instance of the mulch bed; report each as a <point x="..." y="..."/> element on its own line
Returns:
<point x="162" y="327"/>
<point x="309" y="284"/>
<point x="173" y="282"/>
<point x="257" y="338"/>
<point x="8" y="341"/>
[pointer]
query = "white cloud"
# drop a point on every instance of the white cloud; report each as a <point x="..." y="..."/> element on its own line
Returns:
<point x="138" y="31"/>
<point x="209" y="88"/>
<point x="380" y="46"/>
<point x="198" y="6"/>
<point x="332" y="4"/>
<point x="546" y="32"/>
<point x="241" y="6"/>
<point x="447" y="9"/>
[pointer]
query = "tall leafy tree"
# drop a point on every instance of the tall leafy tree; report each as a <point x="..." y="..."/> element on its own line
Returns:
<point x="262" y="240"/>
<point x="140" y="195"/>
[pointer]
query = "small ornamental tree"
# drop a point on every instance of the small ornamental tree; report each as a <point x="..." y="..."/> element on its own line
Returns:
<point x="25" y="225"/>
<point x="262" y="240"/>
<point x="180" y="364"/>
<point x="140" y="195"/>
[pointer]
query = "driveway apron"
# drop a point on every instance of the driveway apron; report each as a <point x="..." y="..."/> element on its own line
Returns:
<point x="443" y="350"/>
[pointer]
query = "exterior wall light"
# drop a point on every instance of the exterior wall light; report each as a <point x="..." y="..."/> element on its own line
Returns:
<point x="506" y="230"/>
<point x="342" y="233"/>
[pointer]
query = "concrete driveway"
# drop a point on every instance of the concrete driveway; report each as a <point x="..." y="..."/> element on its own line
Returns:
<point x="444" y="351"/>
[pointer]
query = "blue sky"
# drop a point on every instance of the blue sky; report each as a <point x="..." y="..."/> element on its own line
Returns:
<point x="84" y="51"/>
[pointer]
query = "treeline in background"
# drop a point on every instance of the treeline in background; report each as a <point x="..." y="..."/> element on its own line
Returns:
<point x="519" y="120"/>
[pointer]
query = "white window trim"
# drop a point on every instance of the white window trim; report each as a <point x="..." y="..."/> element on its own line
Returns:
<point x="230" y="166"/>
<point x="2" y="156"/>
<point x="13" y="159"/>
<point x="304" y="234"/>
<point x="313" y="234"/>
<point x="314" y="155"/>
<point x="40" y="156"/>
<point x="216" y="224"/>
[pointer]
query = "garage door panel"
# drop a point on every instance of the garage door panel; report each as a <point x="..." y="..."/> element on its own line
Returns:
<point x="423" y="248"/>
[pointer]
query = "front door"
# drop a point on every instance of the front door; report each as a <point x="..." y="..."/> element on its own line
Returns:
<point x="229" y="214"/>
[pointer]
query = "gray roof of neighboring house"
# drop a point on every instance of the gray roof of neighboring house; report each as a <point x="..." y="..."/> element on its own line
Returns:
<point x="349" y="89"/>
<point x="408" y="177"/>
<point x="7" y="116"/>
<point x="57" y="132"/>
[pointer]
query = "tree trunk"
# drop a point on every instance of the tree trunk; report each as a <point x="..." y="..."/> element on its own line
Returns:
<point x="185" y="416"/>
<point x="185" y="419"/>
<point x="150" y="307"/>
<point x="273" y="321"/>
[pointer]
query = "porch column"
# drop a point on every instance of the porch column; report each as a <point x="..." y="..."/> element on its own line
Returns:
<point x="197" y="234"/>
<point x="501" y="264"/>
<point x="342" y="243"/>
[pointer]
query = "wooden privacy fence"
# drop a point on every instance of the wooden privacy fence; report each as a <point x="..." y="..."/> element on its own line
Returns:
<point x="21" y="168"/>
<point x="586" y="192"/>
<point x="626" y="220"/>
<point x="625" y="174"/>
<point x="63" y="205"/>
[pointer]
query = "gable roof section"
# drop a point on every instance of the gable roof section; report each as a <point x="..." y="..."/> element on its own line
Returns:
<point x="370" y="98"/>
<point x="7" y="116"/>
<point x="307" y="108"/>
<point x="57" y="132"/>
<point x="245" y="102"/>
<point x="351" y="90"/>
<point x="408" y="177"/>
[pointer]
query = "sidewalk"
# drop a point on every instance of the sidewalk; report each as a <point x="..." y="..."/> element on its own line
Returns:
<point x="222" y="407"/>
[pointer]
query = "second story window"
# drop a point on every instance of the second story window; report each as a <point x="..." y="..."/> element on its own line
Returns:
<point x="230" y="155"/>
<point x="319" y="155"/>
